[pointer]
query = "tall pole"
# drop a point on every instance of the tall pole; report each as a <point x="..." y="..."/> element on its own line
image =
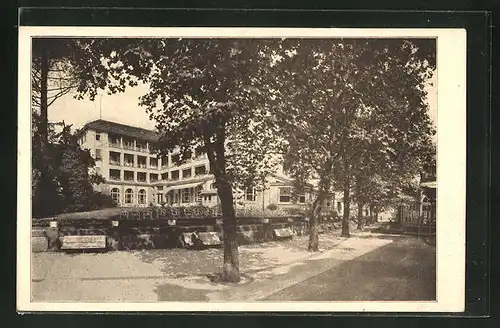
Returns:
<point x="100" y="107"/>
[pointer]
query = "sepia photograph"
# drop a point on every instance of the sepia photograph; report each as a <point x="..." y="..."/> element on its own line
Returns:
<point x="229" y="169"/>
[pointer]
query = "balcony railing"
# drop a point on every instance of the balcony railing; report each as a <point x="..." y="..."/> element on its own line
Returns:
<point x="131" y="164"/>
<point x="142" y="165"/>
<point x="115" y="144"/>
<point x="114" y="178"/>
<point x="112" y="162"/>
<point x="128" y="146"/>
<point x="129" y="179"/>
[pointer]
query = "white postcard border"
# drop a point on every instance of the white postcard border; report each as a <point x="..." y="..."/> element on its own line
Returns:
<point x="451" y="169"/>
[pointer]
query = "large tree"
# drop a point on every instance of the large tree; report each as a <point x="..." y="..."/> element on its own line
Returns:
<point x="203" y="93"/>
<point x="340" y="97"/>
<point x="68" y="177"/>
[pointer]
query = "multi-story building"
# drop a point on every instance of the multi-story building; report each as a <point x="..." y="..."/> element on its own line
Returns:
<point x="135" y="176"/>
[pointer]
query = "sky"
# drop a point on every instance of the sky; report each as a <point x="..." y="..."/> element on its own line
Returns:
<point x="123" y="108"/>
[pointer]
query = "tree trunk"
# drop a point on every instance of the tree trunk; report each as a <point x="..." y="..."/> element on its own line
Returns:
<point x="347" y="204"/>
<point x="360" y="216"/>
<point x="324" y="188"/>
<point x="313" y="223"/>
<point x="215" y="152"/>
<point x="44" y="73"/>
<point x="231" y="266"/>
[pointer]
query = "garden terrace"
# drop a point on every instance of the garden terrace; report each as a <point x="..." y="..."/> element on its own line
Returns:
<point x="163" y="227"/>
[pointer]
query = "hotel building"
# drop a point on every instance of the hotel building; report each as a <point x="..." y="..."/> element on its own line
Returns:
<point x="137" y="177"/>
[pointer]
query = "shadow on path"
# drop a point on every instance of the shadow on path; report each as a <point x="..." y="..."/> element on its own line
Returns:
<point x="401" y="271"/>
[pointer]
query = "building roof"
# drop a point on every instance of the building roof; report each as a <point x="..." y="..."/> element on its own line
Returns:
<point x="121" y="129"/>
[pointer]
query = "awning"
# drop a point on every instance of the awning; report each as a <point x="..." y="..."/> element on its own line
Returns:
<point x="209" y="192"/>
<point x="184" y="186"/>
<point x="430" y="184"/>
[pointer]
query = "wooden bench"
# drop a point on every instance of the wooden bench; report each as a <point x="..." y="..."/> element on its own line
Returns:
<point x="83" y="242"/>
<point x="283" y="233"/>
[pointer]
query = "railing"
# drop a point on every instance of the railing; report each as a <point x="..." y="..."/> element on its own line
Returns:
<point x="130" y="164"/>
<point x="115" y="163"/>
<point x="131" y="147"/>
<point x="115" y="145"/>
<point x="129" y="178"/>
<point x="142" y="165"/>
<point x="114" y="178"/>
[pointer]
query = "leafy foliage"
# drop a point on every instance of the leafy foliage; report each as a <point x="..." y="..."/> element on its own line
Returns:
<point x="61" y="179"/>
<point x="354" y="110"/>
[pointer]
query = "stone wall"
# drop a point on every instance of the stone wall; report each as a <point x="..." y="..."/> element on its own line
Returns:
<point x="154" y="234"/>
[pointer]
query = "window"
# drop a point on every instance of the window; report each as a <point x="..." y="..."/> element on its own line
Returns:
<point x="175" y="175"/>
<point x="186" y="173"/>
<point x="141" y="161"/>
<point x="128" y="160"/>
<point x="97" y="136"/>
<point x="167" y="198"/>
<point x="186" y="195"/>
<point x="141" y="176"/>
<point x="213" y="186"/>
<point x="160" y="198"/>
<point x="142" y="196"/>
<point x="98" y="155"/>
<point x="164" y="176"/>
<point x="285" y="195"/>
<point x="302" y="198"/>
<point x="176" y="198"/>
<point x="328" y="203"/>
<point x="114" y="158"/>
<point x="153" y="162"/>
<point x="153" y="177"/>
<point x="159" y="188"/>
<point x="114" y="174"/>
<point x="207" y="198"/>
<point x="200" y="170"/>
<point x="198" y="193"/>
<point x="129" y="195"/>
<point x="128" y="175"/>
<point x="164" y="161"/>
<point x="250" y="195"/>
<point x="115" y="194"/>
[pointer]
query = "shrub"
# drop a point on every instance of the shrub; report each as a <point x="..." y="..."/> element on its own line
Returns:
<point x="294" y="211"/>
<point x="272" y="207"/>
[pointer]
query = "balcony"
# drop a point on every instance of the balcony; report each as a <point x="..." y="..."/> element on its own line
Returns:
<point x="129" y="164"/>
<point x="142" y="148"/>
<point x="114" y="144"/>
<point x="142" y="165"/>
<point x="114" y="162"/>
<point x="114" y="178"/>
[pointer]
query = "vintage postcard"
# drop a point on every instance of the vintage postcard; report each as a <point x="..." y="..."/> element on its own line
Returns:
<point x="241" y="169"/>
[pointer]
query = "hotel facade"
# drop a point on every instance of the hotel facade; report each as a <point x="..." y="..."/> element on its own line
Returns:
<point x="135" y="176"/>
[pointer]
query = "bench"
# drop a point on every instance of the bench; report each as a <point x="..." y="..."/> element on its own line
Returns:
<point x="192" y="239"/>
<point x="83" y="242"/>
<point x="283" y="233"/>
